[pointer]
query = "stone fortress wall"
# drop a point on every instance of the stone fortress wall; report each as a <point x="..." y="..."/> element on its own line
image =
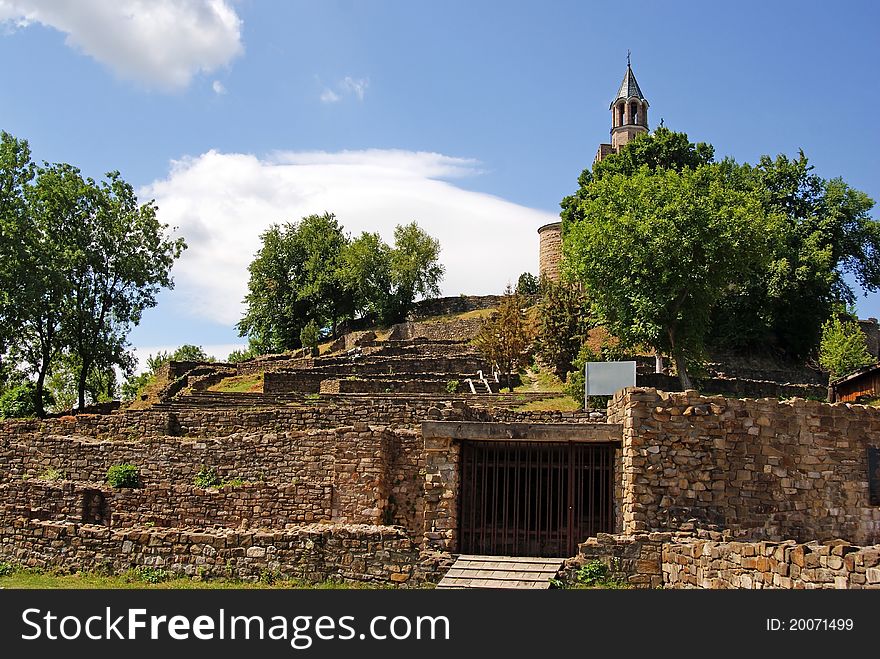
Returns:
<point x="378" y="501"/>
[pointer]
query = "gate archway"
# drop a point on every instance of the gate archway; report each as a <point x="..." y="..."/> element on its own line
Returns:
<point x="526" y="498"/>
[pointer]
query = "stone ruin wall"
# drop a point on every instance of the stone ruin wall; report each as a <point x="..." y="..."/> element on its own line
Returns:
<point x="774" y="470"/>
<point x="759" y="565"/>
<point x="371" y="474"/>
<point x="691" y="560"/>
<point x="316" y="552"/>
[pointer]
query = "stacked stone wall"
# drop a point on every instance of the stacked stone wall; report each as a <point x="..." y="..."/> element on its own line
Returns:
<point x="710" y="564"/>
<point x="736" y="387"/>
<point x="248" y="505"/>
<point x="358" y="553"/>
<point x="360" y="466"/>
<point x="459" y="329"/>
<point x="775" y="470"/>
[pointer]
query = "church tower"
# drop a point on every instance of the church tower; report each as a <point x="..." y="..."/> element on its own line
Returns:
<point x="629" y="117"/>
<point x="629" y="114"/>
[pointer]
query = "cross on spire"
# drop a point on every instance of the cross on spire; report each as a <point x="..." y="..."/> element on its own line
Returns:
<point x="627" y="58"/>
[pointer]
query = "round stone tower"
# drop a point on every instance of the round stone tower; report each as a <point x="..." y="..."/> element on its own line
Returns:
<point x="550" y="236"/>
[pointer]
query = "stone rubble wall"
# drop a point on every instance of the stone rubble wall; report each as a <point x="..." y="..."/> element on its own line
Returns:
<point x="776" y="470"/>
<point x="460" y="329"/>
<point x="355" y="553"/>
<point x="372" y="473"/>
<point x="736" y="387"/>
<point x="249" y="505"/>
<point x="710" y="564"/>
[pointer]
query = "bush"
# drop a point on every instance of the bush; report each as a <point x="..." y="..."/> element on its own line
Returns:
<point x="452" y="386"/>
<point x="151" y="574"/>
<point x="124" y="475"/>
<point x="52" y="474"/>
<point x="843" y="348"/>
<point x="309" y="336"/>
<point x="6" y="569"/>
<point x="207" y="477"/>
<point x="18" y="402"/>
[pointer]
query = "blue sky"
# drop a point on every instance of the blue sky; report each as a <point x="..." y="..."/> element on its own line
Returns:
<point x="474" y="118"/>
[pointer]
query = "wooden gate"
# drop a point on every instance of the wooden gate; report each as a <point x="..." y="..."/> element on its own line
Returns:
<point x="521" y="498"/>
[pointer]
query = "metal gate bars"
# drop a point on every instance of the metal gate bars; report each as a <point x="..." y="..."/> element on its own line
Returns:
<point x="534" y="498"/>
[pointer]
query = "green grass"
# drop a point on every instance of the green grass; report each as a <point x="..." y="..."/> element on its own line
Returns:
<point x="251" y="383"/>
<point x="539" y="379"/>
<point x="559" y="403"/>
<point x="35" y="579"/>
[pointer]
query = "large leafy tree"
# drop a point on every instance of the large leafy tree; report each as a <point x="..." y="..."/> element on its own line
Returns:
<point x="81" y="261"/>
<point x="16" y="174"/>
<point x="119" y="257"/>
<point x="655" y="252"/>
<point x="276" y="313"/>
<point x="367" y="273"/>
<point x="416" y="271"/>
<point x="59" y="203"/>
<point x="311" y="271"/>
<point x="827" y="232"/>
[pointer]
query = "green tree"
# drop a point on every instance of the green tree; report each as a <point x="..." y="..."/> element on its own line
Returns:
<point x="843" y="348"/>
<point x="661" y="149"/>
<point x="324" y="287"/>
<point x="120" y="257"/>
<point x="656" y="251"/>
<point x="826" y="232"/>
<point x="367" y="273"/>
<point x="309" y="336"/>
<point x="416" y="271"/>
<point x="563" y="325"/>
<point x="16" y="173"/>
<point x="506" y="337"/>
<point x="528" y="284"/>
<point x="275" y="311"/>
<point x="57" y="204"/>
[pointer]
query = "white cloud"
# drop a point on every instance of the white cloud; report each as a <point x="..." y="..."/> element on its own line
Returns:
<point x="162" y="43"/>
<point x="329" y="96"/>
<point x="356" y="87"/>
<point x="221" y="202"/>
<point x="348" y="86"/>
<point x="218" y="87"/>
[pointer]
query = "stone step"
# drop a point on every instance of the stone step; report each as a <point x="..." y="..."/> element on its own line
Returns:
<point x="509" y="572"/>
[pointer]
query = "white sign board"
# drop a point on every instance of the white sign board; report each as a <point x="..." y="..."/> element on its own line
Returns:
<point x="607" y="378"/>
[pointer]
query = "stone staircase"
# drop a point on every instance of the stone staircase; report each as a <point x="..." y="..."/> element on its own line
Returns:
<point x="509" y="572"/>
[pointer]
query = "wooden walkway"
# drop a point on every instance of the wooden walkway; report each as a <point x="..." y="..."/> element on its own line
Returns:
<point x="520" y="572"/>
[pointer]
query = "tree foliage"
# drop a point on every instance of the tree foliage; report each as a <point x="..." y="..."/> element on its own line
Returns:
<point x="81" y="261"/>
<point x="563" y="325"/>
<point x="506" y="337"/>
<point x="823" y="232"/>
<point x="528" y="284"/>
<point x="312" y="271"/>
<point x="656" y="251"/>
<point x="843" y="348"/>
<point x="826" y="232"/>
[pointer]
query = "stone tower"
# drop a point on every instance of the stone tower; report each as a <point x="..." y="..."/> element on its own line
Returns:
<point x="629" y="114"/>
<point x="629" y="117"/>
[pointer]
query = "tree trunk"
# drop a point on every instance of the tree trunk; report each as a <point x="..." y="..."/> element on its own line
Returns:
<point x="81" y="386"/>
<point x="40" y="386"/>
<point x="681" y="368"/>
<point x="680" y="365"/>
